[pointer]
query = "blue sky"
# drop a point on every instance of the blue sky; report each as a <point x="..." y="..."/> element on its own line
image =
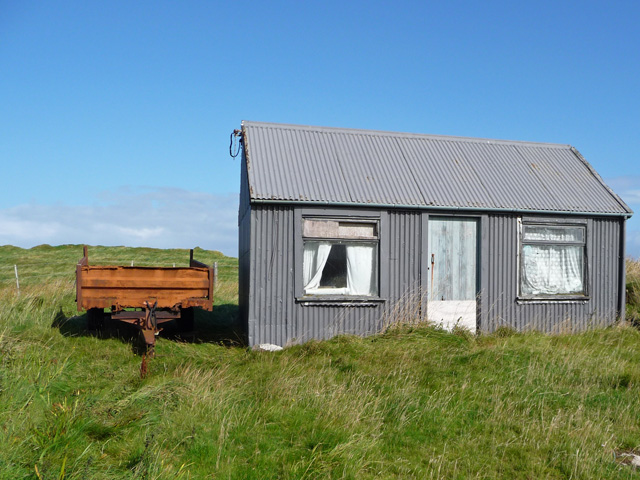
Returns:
<point x="115" y="116"/>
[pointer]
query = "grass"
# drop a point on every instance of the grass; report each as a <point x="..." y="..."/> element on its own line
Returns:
<point x="633" y="291"/>
<point x="414" y="402"/>
<point x="44" y="263"/>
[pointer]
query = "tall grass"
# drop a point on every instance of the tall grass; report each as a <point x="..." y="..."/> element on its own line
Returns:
<point x="414" y="402"/>
<point x="633" y="290"/>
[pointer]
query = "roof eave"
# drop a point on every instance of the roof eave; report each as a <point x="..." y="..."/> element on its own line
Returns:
<point x="259" y="201"/>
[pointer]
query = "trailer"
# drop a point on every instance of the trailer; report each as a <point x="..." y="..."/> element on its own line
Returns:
<point x="146" y="297"/>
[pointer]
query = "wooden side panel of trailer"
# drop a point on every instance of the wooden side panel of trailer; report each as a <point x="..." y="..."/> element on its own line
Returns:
<point x="130" y="287"/>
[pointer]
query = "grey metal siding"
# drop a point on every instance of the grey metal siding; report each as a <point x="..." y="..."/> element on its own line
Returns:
<point x="603" y="257"/>
<point x="325" y="321"/>
<point x="405" y="293"/>
<point x="244" y="268"/>
<point x="404" y="254"/>
<point x="273" y="314"/>
<point x="605" y="264"/>
<point x="271" y="296"/>
<point x="268" y="272"/>
<point x="501" y="262"/>
<point x="245" y="195"/>
<point x="244" y="247"/>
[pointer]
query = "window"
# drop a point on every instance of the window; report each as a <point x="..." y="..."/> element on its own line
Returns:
<point x="340" y="257"/>
<point x="552" y="261"/>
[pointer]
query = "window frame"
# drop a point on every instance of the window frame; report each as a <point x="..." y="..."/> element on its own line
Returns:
<point x="545" y="222"/>
<point x="352" y="217"/>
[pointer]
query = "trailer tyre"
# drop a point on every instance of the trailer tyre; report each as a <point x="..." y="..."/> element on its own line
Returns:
<point x="95" y="318"/>
<point x="186" y="322"/>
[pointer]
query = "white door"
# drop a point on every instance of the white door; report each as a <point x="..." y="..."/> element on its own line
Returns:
<point x="452" y="258"/>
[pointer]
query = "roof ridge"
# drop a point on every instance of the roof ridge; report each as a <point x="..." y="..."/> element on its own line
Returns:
<point x="357" y="131"/>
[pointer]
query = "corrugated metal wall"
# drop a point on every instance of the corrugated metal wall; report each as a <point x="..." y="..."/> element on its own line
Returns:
<point x="404" y="254"/>
<point x="404" y="291"/>
<point x="603" y="251"/>
<point x="500" y="261"/>
<point x="271" y="297"/>
<point x="244" y="247"/>
<point x="274" y="316"/>
<point x="604" y="239"/>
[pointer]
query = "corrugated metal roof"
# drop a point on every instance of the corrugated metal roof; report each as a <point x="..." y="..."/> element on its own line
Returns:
<point x="294" y="163"/>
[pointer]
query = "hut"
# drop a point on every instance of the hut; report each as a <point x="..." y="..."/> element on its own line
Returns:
<point x="345" y="231"/>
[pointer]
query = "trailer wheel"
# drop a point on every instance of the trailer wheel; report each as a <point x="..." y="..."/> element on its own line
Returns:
<point x="186" y="322"/>
<point x="95" y="318"/>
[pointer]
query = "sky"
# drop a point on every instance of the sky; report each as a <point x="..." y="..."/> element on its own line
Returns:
<point x="115" y="116"/>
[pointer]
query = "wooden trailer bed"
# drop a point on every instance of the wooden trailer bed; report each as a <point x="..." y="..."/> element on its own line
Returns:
<point x="159" y="294"/>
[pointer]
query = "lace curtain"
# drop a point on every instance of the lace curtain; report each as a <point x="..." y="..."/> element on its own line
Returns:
<point x="552" y="269"/>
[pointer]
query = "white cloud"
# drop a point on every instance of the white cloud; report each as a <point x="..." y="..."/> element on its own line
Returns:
<point x="632" y="196"/>
<point x="633" y="244"/>
<point x="628" y="187"/>
<point x="142" y="216"/>
<point x="164" y="218"/>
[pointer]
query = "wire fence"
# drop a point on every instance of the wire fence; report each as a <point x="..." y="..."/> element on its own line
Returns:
<point x="21" y="274"/>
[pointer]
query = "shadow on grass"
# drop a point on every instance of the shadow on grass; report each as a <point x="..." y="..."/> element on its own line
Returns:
<point x="219" y="326"/>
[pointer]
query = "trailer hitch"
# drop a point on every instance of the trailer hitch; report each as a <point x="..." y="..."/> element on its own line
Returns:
<point x="149" y="327"/>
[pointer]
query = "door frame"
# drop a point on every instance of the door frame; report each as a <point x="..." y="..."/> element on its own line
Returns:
<point x="481" y="254"/>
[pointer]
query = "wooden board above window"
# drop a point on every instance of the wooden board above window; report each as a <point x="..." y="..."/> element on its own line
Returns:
<point x="339" y="229"/>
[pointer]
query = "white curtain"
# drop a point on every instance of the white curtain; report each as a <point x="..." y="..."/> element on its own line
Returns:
<point x="552" y="269"/>
<point x="315" y="258"/>
<point x="360" y="270"/>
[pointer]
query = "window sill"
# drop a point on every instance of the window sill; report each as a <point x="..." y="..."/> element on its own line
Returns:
<point x="553" y="299"/>
<point x="340" y="300"/>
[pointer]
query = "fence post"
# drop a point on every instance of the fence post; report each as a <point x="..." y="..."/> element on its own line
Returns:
<point x="15" y="267"/>
<point x="215" y="274"/>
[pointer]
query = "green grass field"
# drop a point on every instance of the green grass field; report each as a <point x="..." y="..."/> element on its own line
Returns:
<point x="413" y="402"/>
<point x="633" y="291"/>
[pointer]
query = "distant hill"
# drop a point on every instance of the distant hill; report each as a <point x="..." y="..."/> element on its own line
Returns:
<point x="48" y="262"/>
